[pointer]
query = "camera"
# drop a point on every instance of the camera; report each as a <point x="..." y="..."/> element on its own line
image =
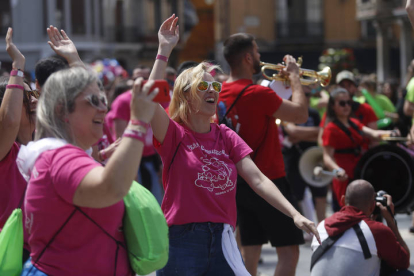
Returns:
<point x="381" y="199"/>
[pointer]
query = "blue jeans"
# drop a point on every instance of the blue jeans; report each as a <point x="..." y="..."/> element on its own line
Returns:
<point x="195" y="249"/>
<point x="30" y="270"/>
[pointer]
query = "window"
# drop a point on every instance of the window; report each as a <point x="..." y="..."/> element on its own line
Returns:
<point x="77" y="8"/>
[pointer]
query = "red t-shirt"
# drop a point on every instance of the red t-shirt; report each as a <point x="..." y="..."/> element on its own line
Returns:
<point x="365" y="114"/>
<point x="334" y="137"/>
<point x="256" y="124"/>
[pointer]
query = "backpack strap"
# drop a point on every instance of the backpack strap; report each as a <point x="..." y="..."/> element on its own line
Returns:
<point x="232" y="105"/>
<point x="326" y="244"/>
<point x="362" y="241"/>
<point x="357" y="149"/>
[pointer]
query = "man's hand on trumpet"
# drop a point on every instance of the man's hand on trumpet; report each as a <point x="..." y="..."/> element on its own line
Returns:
<point x="291" y="67"/>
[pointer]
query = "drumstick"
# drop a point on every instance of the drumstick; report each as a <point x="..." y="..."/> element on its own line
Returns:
<point x="319" y="170"/>
<point x="390" y="138"/>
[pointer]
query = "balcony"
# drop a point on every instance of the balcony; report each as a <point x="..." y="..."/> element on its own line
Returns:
<point x="379" y="9"/>
<point x="299" y="32"/>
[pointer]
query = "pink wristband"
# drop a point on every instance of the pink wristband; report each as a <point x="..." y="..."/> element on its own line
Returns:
<point x="134" y="134"/>
<point x="17" y="73"/>
<point x="11" y="86"/>
<point x="161" y="57"/>
<point x="139" y="123"/>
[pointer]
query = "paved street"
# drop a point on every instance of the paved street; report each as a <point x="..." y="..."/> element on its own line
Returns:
<point x="270" y="257"/>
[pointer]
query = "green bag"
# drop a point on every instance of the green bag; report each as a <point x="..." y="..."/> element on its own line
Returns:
<point x="146" y="231"/>
<point x="11" y="245"/>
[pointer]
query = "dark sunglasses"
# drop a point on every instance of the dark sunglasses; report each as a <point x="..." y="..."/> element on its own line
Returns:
<point x="98" y="102"/>
<point x="344" y="103"/>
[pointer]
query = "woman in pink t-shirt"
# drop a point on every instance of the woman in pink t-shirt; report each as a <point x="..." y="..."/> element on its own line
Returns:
<point x="17" y="123"/>
<point x="74" y="205"/>
<point x="201" y="162"/>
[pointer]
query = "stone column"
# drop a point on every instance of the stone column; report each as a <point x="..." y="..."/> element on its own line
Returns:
<point x="88" y="19"/>
<point x="97" y="19"/>
<point x="383" y="51"/>
<point x="68" y="17"/>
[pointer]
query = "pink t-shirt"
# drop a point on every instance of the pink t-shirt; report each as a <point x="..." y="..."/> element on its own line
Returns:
<point x="121" y="109"/>
<point x="81" y="247"/>
<point x="200" y="185"/>
<point x="12" y="185"/>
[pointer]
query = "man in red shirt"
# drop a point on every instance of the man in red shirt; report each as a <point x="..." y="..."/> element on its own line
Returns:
<point x="253" y="117"/>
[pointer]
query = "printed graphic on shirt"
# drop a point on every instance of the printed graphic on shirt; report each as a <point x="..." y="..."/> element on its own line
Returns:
<point x="231" y="120"/>
<point x="28" y="222"/>
<point x="215" y="175"/>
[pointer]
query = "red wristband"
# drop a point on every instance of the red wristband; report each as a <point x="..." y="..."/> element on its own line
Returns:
<point x="11" y="86"/>
<point x="161" y="57"/>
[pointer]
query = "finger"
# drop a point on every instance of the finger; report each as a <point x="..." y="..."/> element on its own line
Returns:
<point x="177" y="31"/>
<point x="174" y="24"/>
<point x="153" y="93"/>
<point x="147" y="87"/>
<point x="59" y="34"/>
<point x="56" y="34"/>
<point x="51" y="45"/>
<point x="136" y="89"/>
<point x="166" y="24"/>
<point x="9" y="35"/>
<point x="65" y="36"/>
<point x="50" y="34"/>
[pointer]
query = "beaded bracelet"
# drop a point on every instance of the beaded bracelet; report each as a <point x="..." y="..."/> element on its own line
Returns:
<point x="11" y="86"/>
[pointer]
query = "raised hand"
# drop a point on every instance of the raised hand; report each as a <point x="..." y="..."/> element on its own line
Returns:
<point x="17" y="57"/>
<point x="142" y="106"/>
<point x="168" y="35"/>
<point x="306" y="225"/>
<point x="63" y="46"/>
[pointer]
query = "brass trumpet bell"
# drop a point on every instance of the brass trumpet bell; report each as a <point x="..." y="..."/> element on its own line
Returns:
<point x="323" y="77"/>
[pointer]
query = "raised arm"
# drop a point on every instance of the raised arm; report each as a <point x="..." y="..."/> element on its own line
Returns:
<point x="12" y="103"/>
<point x="295" y="111"/>
<point x="168" y="37"/>
<point x="265" y="188"/>
<point x="63" y="46"/>
<point x="105" y="186"/>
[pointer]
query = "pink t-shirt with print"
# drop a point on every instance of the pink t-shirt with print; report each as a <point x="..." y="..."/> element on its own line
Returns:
<point x="200" y="185"/>
<point x="81" y="247"/>
<point x="121" y="109"/>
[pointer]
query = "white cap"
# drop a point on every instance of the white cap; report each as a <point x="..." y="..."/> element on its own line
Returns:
<point x="345" y="75"/>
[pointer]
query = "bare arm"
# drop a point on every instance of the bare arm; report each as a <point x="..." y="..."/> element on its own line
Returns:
<point x="301" y="133"/>
<point x="408" y="108"/>
<point x="168" y="37"/>
<point x="64" y="47"/>
<point x="375" y="134"/>
<point x="330" y="163"/>
<point x="410" y="11"/>
<point x="269" y="192"/>
<point x="12" y="104"/>
<point x="295" y="111"/>
<point x="105" y="186"/>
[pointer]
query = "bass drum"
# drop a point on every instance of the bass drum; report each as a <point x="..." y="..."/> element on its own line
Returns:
<point x="389" y="168"/>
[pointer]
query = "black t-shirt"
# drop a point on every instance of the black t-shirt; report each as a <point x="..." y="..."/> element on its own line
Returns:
<point x="296" y="150"/>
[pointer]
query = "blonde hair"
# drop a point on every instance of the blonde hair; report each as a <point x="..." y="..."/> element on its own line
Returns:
<point x="189" y="79"/>
<point x="58" y="99"/>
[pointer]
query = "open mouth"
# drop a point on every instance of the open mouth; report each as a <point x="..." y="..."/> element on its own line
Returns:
<point x="210" y="100"/>
<point x="98" y="121"/>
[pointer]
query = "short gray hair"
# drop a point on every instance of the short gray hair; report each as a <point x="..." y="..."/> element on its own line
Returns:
<point x="58" y="100"/>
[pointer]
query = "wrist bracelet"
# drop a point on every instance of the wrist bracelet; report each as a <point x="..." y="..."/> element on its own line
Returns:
<point x="139" y="123"/>
<point x="161" y="57"/>
<point x="102" y="155"/>
<point x="17" y="73"/>
<point x="17" y="86"/>
<point x="137" y="135"/>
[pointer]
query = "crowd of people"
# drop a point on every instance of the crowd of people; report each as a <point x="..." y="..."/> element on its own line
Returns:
<point x="213" y="157"/>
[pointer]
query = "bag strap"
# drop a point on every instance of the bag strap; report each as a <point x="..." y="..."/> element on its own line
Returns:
<point x="326" y="244"/>
<point x="346" y="130"/>
<point x="118" y="243"/>
<point x="232" y="105"/>
<point x="362" y="241"/>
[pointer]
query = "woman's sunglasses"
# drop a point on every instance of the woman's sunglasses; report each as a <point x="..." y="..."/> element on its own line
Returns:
<point x="32" y="93"/>
<point x="344" y="103"/>
<point x="99" y="102"/>
<point x="205" y="85"/>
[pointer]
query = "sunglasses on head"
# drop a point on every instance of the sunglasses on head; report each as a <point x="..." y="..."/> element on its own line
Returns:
<point x="98" y="102"/>
<point x="344" y="103"/>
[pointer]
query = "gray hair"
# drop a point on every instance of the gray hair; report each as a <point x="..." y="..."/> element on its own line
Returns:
<point x="58" y="100"/>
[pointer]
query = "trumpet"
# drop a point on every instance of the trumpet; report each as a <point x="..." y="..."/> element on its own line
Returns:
<point x="323" y="77"/>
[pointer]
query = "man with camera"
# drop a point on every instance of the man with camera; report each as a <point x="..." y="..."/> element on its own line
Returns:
<point x="354" y="243"/>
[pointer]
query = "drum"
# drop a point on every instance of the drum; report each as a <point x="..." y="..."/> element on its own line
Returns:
<point x="388" y="167"/>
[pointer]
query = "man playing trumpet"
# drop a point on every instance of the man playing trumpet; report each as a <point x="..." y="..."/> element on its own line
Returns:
<point x="255" y="112"/>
